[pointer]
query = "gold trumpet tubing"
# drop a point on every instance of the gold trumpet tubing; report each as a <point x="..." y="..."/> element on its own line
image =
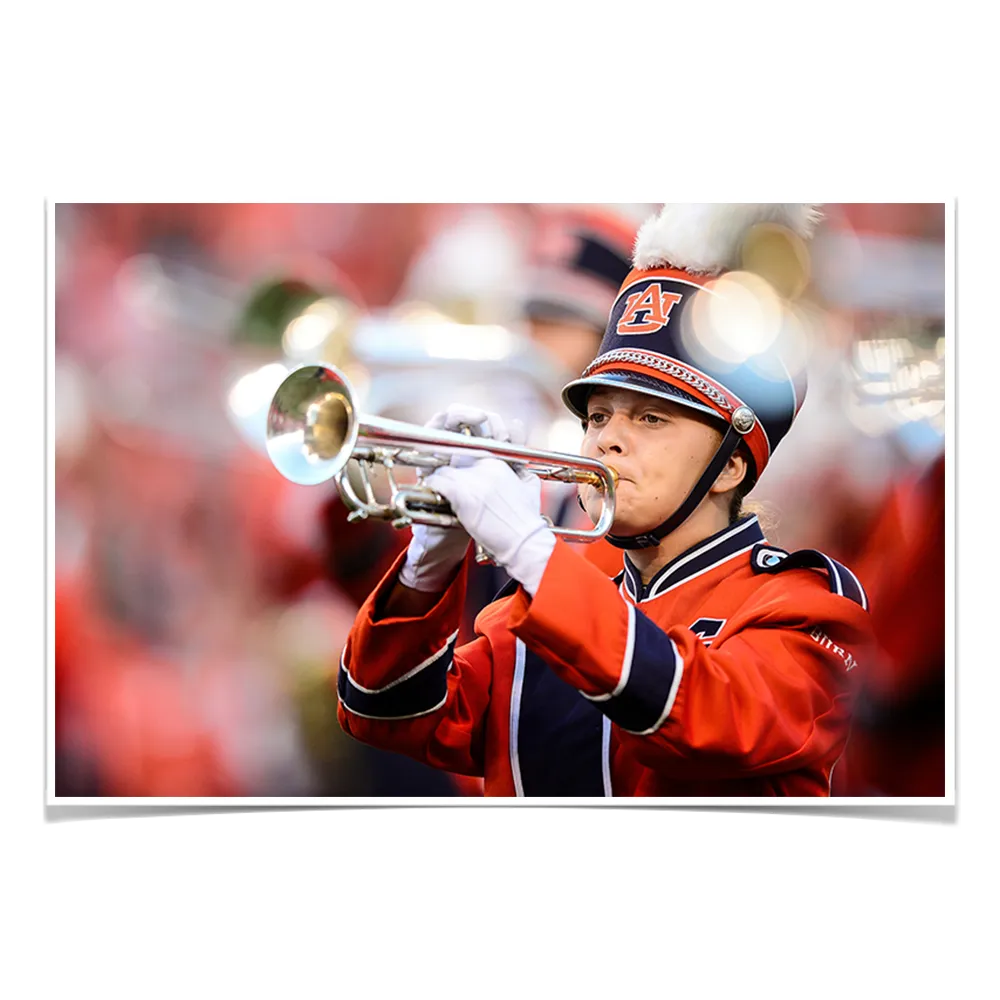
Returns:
<point x="579" y="476"/>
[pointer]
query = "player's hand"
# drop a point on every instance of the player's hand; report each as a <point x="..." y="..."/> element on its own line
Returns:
<point x="500" y="509"/>
<point x="482" y="423"/>
<point x="434" y="552"/>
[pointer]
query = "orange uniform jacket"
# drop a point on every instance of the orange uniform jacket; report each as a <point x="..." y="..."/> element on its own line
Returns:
<point x="727" y="674"/>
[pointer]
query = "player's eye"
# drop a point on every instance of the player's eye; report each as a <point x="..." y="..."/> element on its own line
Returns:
<point x="653" y="418"/>
<point x="596" y="419"/>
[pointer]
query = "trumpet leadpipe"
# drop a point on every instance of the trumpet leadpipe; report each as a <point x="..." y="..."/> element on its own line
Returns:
<point x="585" y="477"/>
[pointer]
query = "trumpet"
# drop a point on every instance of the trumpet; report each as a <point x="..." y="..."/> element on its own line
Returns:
<point x="314" y="430"/>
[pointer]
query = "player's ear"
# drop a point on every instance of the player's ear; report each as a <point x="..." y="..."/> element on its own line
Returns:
<point x="733" y="474"/>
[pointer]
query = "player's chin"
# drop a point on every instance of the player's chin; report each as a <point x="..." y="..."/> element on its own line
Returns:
<point x="626" y="528"/>
<point x="626" y="523"/>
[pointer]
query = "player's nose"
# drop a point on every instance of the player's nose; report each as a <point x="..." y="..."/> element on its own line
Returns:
<point x="613" y="436"/>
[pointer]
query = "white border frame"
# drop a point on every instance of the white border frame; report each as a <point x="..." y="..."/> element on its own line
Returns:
<point x="214" y="802"/>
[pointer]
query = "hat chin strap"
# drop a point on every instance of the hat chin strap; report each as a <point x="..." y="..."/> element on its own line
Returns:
<point x="698" y="493"/>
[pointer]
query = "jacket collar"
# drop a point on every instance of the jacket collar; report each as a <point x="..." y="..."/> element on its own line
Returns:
<point x="731" y="541"/>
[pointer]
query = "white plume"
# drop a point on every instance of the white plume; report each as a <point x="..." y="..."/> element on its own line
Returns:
<point x="706" y="239"/>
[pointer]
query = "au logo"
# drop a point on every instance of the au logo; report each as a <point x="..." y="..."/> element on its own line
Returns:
<point x="647" y="311"/>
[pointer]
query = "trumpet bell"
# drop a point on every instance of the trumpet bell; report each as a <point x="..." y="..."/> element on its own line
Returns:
<point x="312" y="425"/>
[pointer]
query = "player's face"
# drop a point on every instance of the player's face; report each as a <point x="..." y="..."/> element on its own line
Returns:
<point x="658" y="448"/>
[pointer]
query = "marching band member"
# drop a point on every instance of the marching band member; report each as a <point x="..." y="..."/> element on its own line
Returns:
<point x="714" y="664"/>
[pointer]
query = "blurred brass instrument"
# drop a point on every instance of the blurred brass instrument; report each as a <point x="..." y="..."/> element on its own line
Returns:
<point x="314" y="430"/>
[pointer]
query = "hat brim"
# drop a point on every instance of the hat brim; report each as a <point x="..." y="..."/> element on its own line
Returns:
<point x="575" y="393"/>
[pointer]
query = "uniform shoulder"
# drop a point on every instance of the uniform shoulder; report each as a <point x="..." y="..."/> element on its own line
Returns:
<point x="770" y="559"/>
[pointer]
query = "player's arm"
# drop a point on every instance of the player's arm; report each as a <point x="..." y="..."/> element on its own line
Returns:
<point x="767" y="697"/>
<point x="404" y="686"/>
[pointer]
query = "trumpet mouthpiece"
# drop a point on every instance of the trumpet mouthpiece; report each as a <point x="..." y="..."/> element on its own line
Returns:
<point x="593" y="479"/>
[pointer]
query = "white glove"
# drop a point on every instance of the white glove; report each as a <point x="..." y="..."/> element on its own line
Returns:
<point x="501" y="510"/>
<point x="433" y="553"/>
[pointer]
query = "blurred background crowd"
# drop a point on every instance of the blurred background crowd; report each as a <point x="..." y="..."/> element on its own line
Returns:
<point x="202" y="600"/>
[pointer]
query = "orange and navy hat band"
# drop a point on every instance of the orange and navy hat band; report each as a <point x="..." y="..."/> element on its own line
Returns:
<point x="643" y="370"/>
